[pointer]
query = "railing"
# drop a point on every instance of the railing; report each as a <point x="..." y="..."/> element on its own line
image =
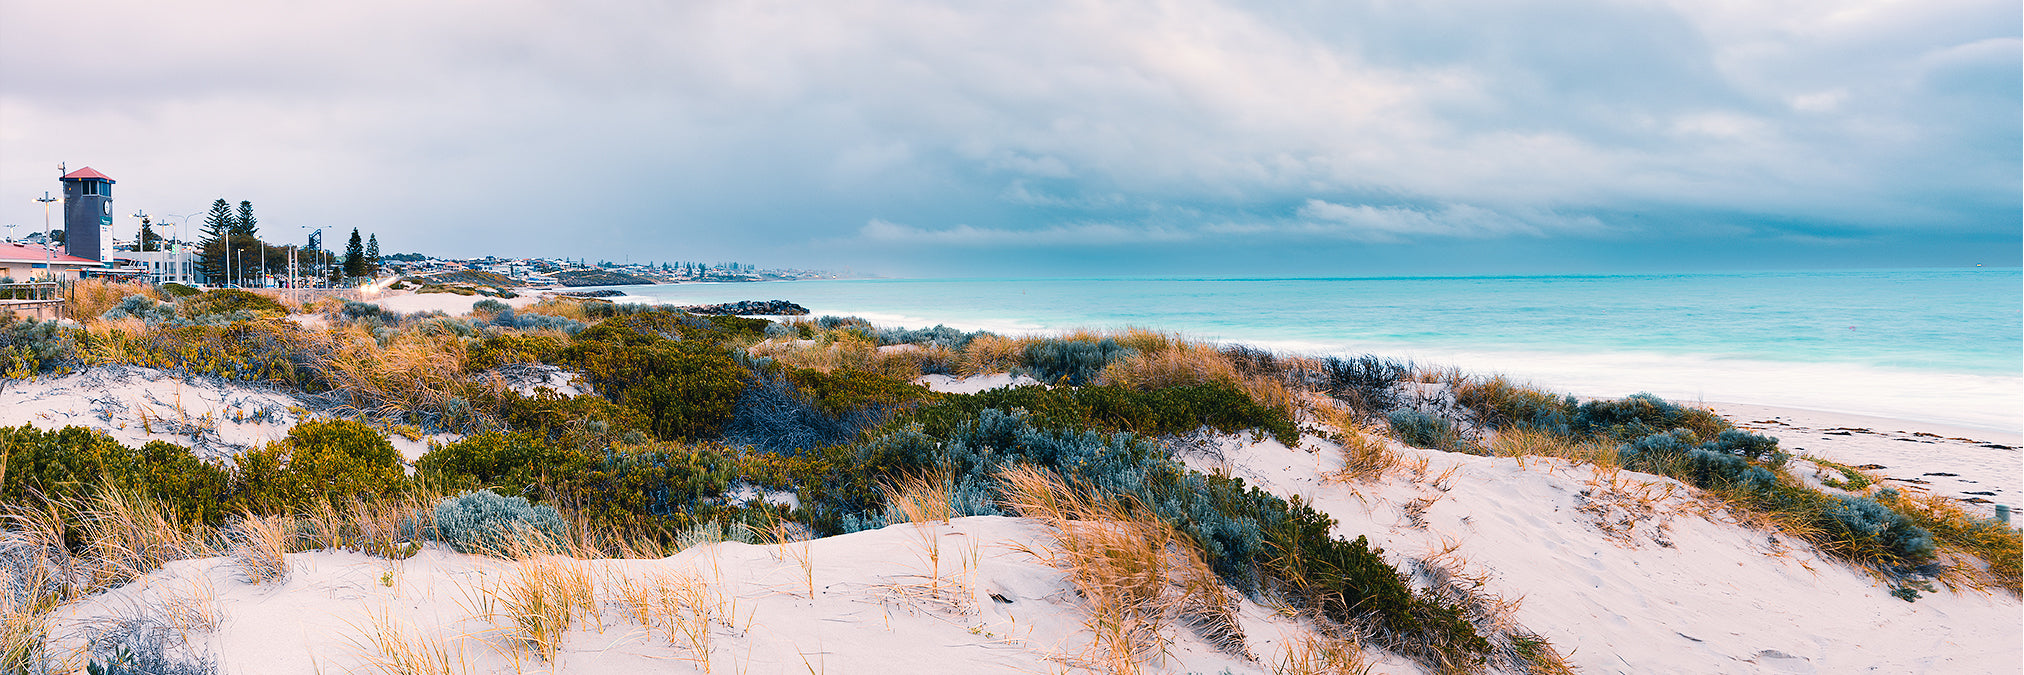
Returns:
<point x="41" y="300"/>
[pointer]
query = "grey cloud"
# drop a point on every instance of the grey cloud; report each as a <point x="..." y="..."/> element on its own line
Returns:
<point x="765" y="130"/>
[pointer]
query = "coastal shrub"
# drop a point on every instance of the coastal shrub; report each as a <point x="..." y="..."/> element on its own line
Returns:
<point x="1171" y="410"/>
<point x="1254" y="362"/>
<point x="223" y="300"/>
<point x="512" y="463"/>
<point x="652" y="489"/>
<point x="354" y="310"/>
<point x="482" y="521"/>
<point x="75" y="463"/>
<point x="489" y="306"/>
<point x="330" y="461"/>
<point x="1863" y="524"/>
<point x="142" y="307"/>
<point x="498" y="349"/>
<point x="795" y="409"/>
<point x="681" y="389"/>
<point x="1501" y="404"/>
<point x="1072" y="362"/>
<point x="505" y="318"/>
<point x="587" y="419"/>
<point x="1422" y="430"/>
<point x="655" y="489"/>
<point x="193" y="489"/>
<point x="30" y="347"/>
<point x="841" y="323"/>
<point x="178" y="291"/>
<point x="1251" y="538"/>
<point x="1641" y="415"/>
<point x="66" y="464"/>
<point x="1369" y="383"/>
<point x="939" y="336"/>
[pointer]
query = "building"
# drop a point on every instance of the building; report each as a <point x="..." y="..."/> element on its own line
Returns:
<point x="175" y="266"/>
<point x="24" y="263"/>
<point x="87" y="211"/>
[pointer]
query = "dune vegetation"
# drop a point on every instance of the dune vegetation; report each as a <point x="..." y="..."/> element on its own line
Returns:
<point x="677" y="413"/>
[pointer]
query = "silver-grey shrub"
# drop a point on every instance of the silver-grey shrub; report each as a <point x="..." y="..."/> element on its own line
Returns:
<point x="483" y="521"/>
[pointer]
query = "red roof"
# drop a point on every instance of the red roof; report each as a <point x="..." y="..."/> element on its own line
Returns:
<point x="87" y="172"/>
<point x="11" y="252"/>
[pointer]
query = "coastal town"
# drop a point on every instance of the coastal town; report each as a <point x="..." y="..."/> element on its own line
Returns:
<point x="93" y="243"/>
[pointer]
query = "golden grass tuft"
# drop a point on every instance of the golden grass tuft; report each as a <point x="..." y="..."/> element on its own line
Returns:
<point x="1136" y="573"/>
<point x="414" y="373"/>
<point x="85" y="299"/>
<point x="990" y="354"/>
<point x="680" y="604"/>
<point x="259" y="546"/>
<point x="1312" y="654"/>
<point x="1366" y="455"/>
<point x="1521" y="442"/>
<point x="1975" y="552"/>
<point x="392" y="647"/>
<point x="542" y="598"/>
<point x="567" y="308"/>
<point x="131" y="534"/>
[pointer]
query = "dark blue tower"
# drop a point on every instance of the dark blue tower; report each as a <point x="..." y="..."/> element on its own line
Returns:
<point x="87" y="208"/>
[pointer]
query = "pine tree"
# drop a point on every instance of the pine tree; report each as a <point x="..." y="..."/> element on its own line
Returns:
<point x="245" y="224"/>
<point x="214" y="240"/>
<point x="354" y="256"/>
<point x="149" y="240"/>
<point x="372" y="253"/>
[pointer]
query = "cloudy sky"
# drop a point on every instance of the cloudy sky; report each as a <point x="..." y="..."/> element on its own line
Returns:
<point x="1044" y="137"/>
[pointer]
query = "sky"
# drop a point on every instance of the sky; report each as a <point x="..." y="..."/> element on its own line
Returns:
<point x="1051" y="138"/>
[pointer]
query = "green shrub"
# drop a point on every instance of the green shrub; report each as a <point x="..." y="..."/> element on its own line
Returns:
<point x="178" y="291"/>
<point x="1863" y="524"/>
<point x="225" y="300"/>
<point x="141" y="307"/>
<point x="67" y="464"/>
<point x="1252" y="538"/>
<point x="1074" y="362"/>
<point x="29" y="347"/>
<point x="682" y="390"/>
<point x="1422" y="430"/>
<point x="654" y="489"/>
<point x="514" y="463"/>
<point x="320" y="460"/>
<point x="842" y="392"/>
<point x="1171" y="410"/>
<point x="76" y="462"/>
<point x="499" y="349"/>
<point x="1641" y="415"/>
<point x="481" y="521"/>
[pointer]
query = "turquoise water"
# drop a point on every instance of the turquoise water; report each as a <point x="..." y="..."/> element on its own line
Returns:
<point x="1939" y="345"/>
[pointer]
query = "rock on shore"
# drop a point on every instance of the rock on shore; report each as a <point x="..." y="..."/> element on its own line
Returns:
<point x="749" y="307"/>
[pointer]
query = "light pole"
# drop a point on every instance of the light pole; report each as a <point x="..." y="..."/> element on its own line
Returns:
<point x="182" y="246"/>
<point x="46" y="269"/>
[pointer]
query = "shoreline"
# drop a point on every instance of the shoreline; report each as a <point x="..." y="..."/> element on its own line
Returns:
<point x="1980" y="468"/>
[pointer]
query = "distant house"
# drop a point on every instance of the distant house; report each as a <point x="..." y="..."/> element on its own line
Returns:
<point x="23" y="263"/>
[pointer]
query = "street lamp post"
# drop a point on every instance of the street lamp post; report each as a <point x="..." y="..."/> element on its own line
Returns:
<point x="183" y="244"/>
<point x="46" y="269"/>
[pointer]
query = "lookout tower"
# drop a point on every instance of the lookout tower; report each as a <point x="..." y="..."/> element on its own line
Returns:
<point x="87" y="207"/>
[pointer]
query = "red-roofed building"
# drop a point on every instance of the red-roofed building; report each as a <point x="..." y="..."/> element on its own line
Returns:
<point x="22" y="262"/>
<point x="87" y="172"/>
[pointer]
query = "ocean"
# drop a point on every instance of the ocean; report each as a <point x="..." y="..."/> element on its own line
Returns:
<point x="1933" y="345"/>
